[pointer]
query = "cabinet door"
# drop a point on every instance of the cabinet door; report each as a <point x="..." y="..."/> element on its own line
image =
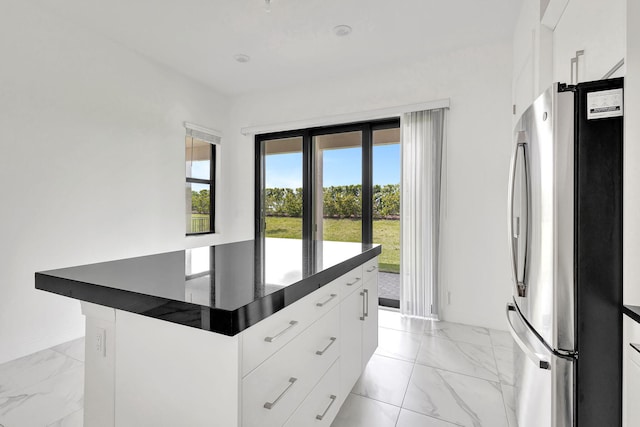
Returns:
<point x="351" y="312"/>
<point x="370" y="325"/>
<point x="633" y="387"/>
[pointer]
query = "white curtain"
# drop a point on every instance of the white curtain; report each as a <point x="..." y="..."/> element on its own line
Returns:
<point x="422" y="143"/>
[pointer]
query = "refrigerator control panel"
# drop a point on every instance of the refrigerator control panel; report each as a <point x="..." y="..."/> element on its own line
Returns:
<point x="604" y="104"/>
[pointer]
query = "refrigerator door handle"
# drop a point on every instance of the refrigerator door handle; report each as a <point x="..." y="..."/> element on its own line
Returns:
<point x="521" y="229"/>
<point x="512" y="235"/>
<point x="536" y="358"/>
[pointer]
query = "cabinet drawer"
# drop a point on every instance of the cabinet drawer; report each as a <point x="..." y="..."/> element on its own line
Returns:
<point x="322" y="404"/>
<point x="350" y="281"/>
<point x="268" y="336"/>
<point x="370" y="270"/>
<point x="272" y="392"/>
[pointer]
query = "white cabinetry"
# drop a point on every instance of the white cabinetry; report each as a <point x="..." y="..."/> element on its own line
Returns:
<point x="596" y="27"/>
<point x="268" y="336"/>
<point x="351" y="310"/>
<point x="321" y="406"/>
<point x="370" y="325"/>
<point x="631" y="373"/>
<point x="294" y="368"/>
<point x="272" y="392"/>
<point x="633" y="386"/>
<point x="532" y="57"/>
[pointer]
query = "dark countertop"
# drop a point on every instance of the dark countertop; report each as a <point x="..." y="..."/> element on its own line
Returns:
<point x="633" y="311"/>
<point x="224" y="288"/>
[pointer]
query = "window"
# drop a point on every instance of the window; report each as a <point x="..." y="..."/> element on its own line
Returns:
<point x="200" y="160"/>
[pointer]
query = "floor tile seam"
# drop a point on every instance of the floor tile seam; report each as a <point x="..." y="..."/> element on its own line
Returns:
<point x="451" y="370"/>
<point x="464" y="325"/>
<point x="51" y="378"/>
<point x="441" y="419"/>
<point x="8" y="362"/>
<point x="374" y="399"/>
<point x="504" y="403"/>
<point x="46" y="350"/>
<point x="395" y="358"/>
<point x="495" y="361"/>
<point x="459" y="373"/>
<point x="16" y="391"/>
<point x="67" y="355"/>
<point x="406" y="390"/>
<point x="430" y="416"/>
<point x="500" y="373"/>
<point x="401" y="330"/>
<point x="380" y="401"/>
<point x="458" y="341"/>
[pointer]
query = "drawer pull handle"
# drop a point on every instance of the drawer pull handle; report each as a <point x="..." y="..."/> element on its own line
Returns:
<point x="279" y="334"/>
<point x="366" y="299"/>
<point x="369" y="270"/>
<point x="363" y="303"/>
<point x="269" y="405"/>
<point x="321" y="352"/>
<point x="333" y="399"/>
<point x="322" y="304"/>
<point x="354" y="282"/>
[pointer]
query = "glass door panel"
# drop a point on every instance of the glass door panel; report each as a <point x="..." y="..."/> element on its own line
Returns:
<point x="282" y="194"/>
<point x="337" y="189"/>
<point x="386" y="212"/>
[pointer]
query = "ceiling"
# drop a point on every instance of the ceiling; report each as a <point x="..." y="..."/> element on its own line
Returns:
<point x="294" y="42"/>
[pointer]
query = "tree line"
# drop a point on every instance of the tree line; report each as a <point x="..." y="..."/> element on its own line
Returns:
<point x="200" y="202"/>
<point x="343" y="201"/>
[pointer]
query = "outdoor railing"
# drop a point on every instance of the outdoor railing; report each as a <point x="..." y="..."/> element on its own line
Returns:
<point x="200" y="225"/>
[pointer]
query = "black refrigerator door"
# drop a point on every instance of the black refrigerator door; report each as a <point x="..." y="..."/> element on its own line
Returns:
<point x="598" y="260"/>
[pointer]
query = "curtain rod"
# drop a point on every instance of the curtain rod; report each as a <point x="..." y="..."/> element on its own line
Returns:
<point x="361" y="116"/>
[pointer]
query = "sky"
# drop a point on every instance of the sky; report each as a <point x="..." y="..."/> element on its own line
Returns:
<point x="341" y="167"/>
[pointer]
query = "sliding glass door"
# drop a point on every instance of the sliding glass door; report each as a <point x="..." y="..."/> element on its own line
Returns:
<point x="282" y="190"/>
<point x="339" y="183"/>
<point x="386" y="212"/>
<point x="337" y="187"/>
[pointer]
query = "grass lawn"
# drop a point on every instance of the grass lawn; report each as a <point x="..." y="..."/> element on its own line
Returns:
<point x="386" y="232"/>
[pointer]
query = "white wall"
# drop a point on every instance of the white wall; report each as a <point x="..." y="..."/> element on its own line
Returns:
<point x="475" y="259"/>
<point x="91" y="165"/>
<point x="631" y="246"/>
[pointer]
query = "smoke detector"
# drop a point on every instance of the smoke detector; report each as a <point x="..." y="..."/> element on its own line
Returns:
<point x="342" y="30"/>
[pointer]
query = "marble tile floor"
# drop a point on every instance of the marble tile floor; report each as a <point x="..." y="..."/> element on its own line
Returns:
<point x="423" y="374"/>
<point x="433" y="374"/>
<point x="44" y="389"/>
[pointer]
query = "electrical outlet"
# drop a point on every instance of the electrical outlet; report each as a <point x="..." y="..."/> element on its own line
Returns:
<point x="449" y="298"/>
<point x="100" y="342"/>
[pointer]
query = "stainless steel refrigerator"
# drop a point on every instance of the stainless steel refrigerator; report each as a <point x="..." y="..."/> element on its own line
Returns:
<point x="565" y="236"/>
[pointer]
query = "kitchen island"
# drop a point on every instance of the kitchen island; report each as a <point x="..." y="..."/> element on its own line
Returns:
<point x="255" y="333"/>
